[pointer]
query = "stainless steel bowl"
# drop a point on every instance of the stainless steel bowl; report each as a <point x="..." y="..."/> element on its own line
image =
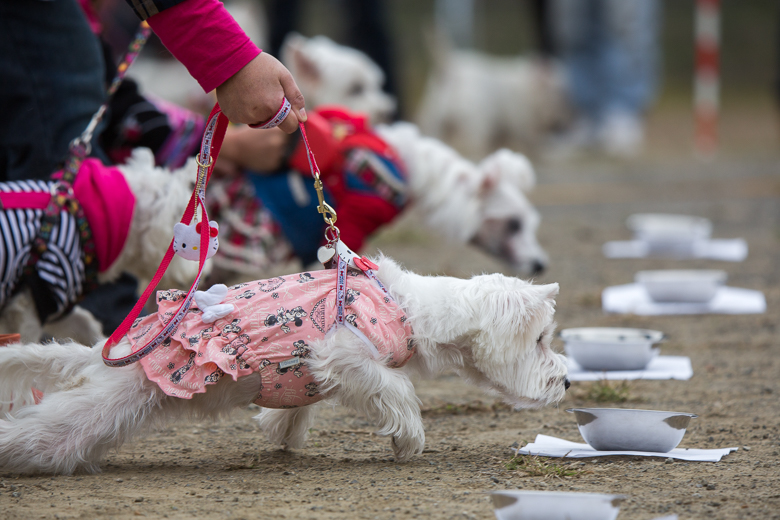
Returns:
<point x="684" y="285"/>
<point x="621" y="429"/>
<point x="611" y="348"/>
<point x="669" y="233"/>
<point x="547" y="505"/>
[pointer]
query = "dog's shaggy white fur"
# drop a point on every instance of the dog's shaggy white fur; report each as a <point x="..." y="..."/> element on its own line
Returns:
<point x="483" y="203"/>
<point x="477" y="102"/>
<point x="331" y="74"/>
<point x="160" y="199"/>
<point x="494" y="331"/>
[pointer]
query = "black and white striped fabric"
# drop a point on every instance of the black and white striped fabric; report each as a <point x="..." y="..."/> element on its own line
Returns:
<point x="61" y="267"/>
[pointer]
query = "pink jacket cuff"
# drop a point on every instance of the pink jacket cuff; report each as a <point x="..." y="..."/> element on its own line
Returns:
<point x="203" y="36"/>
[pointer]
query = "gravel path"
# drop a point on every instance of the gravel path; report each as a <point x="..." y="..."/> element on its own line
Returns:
<point x="228" y="470"/>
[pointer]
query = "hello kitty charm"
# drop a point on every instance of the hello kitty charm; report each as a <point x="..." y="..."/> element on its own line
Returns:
<point x="186" y="240"/>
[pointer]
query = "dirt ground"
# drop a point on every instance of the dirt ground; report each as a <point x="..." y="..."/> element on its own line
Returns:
<point x="228" y="470"/>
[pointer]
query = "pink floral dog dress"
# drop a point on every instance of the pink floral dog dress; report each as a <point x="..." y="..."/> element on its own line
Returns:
<point x="271" y="332"/>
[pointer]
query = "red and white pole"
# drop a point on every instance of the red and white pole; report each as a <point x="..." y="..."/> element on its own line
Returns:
<point x="706" y="84"/>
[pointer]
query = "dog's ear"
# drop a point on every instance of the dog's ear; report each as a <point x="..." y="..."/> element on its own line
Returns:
<point x="294" y="57"/>
<point x="512" y="166"/>
<point x="548" y="291"/>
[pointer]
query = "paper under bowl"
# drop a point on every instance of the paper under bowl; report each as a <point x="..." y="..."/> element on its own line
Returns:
<point x="611" y="348"/>
<point x="543" y="505"/>
<point x="621" y="429"/>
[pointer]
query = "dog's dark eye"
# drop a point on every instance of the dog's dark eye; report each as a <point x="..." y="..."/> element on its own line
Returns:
<point x="514" y="225"/>
<point x="539" y="339"/>
<point x="356" y="89"/>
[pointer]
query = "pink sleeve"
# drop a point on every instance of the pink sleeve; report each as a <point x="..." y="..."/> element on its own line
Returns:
<point x="206" y="39"/>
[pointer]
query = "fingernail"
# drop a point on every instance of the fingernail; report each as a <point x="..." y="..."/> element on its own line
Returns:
<point x="303" y="114"/>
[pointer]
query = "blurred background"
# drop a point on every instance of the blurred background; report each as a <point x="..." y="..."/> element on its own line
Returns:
<point x="401" y="35"/>
<point x="749" y="62"/>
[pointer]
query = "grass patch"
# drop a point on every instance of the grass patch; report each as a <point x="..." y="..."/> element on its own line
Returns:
<point x="604" y="391"/>
<point x="535" y="466"/>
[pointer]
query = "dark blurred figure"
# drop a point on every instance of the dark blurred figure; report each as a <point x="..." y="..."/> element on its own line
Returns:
<point x="610" y="51"/>
<point x="545" y="43"/>
<point x="51" y="84"/>
<point x="366" y="31"/>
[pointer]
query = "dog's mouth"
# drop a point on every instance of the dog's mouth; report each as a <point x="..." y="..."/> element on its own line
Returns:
<point x="550" y="396"/>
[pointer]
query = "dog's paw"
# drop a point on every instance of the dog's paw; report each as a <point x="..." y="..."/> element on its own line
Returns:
<point x="407" y="446"/>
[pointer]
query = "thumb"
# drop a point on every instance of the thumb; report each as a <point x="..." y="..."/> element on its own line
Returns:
<point x="294" y="96"/>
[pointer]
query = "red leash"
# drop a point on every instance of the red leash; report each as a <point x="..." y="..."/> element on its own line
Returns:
<point x="212" y="142"/>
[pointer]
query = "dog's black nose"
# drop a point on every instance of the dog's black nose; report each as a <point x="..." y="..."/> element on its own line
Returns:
<point x="566" y="383"/>
<point x="537" y="267"/>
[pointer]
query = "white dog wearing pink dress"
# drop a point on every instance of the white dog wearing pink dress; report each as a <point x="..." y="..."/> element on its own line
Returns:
<point x="283" y="346"/>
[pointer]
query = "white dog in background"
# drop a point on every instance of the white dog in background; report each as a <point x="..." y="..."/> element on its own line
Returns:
<point x="493" y="330"/>
<point x="478" y="103"/>
<point x="160" y="199"/>
<point x="482" y="203"/>
<point x="331" y="74"/>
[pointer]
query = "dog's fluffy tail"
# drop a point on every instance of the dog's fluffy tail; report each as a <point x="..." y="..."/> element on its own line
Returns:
<point x="44" y="367"/>
<point x="87" y="408"/>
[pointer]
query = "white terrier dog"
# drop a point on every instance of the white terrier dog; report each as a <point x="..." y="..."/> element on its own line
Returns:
<point x="493" y="330"/>
<point x="331" y="74"/>
<point x="483" y="204"/>
<point x="160" y="199"/>
<point x="477" y="102"/>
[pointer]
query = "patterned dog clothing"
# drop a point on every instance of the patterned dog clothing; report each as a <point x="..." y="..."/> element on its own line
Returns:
<point x="271" y="331"/>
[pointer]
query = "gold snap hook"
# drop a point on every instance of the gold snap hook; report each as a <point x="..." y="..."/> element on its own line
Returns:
<point x="328" y="213"/>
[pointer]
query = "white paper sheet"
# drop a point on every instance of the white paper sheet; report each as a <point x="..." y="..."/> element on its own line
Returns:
<point x="548" y="446"/>
<point x="725" y="249"/>
<point x="633" y="299"/>
<point x="660" y="367"/>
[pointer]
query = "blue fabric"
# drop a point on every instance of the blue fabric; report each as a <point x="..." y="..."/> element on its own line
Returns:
<point x="50" y="86"/>
<point x="383" y="179"/>
<point x="610" y="51"/>
<point x="301" y="224"/>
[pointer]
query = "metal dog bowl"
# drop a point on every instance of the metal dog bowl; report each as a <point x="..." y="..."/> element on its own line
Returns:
<point x="669" y="233"/>
<point x="620" y="429"/>
<point x="610" y="348"/>
<point x="544" y="505"/>
<point x="692" y="285"/>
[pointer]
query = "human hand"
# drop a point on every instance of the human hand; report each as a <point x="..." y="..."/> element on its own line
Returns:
<point x="254" y="94"/>
<point x="256" y="150"/>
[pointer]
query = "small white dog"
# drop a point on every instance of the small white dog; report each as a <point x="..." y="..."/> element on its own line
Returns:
<point x="494" y="331"/>
<point x="160" y="199"/>
<point x="483" y="204"/>
<point x="478" y="103"/>
<point x="331" y="74"/>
